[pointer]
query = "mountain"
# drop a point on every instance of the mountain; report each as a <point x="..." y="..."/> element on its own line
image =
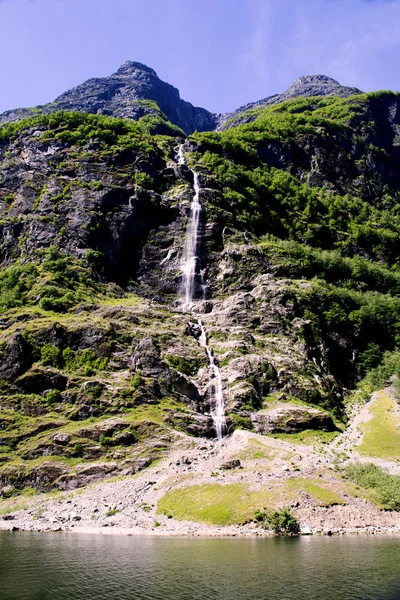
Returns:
<point x="306" y="86"/>
<point x="161" y="291"/>
<point x="130" y="93"/>
<point x="135" y="90"/>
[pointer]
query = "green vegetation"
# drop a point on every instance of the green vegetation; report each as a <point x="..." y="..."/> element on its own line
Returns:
<point x="84" y="360"/>
<point x="58" y="283"/>
<point x="307" y="436"/>
<point x="386" y="487"/>
<point x="381" y="437"/>
<point x="79" y="128"/>
<point x="239" y="422"/>
<point x="269" y="200"/>
<point x="281" y="521"/>
<point x="212" y="503"/>
<point x="182" y="364"/>
<point x="111" y="512"/>
<point x="323" y="495"/>
<point x="137" y="381"/>
<point x="339" y="236"/>
<point x="380" y="376"/>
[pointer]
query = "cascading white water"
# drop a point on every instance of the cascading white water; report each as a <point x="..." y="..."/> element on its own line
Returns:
<point x="189" y="267"/>
<point x="218" y="413"/>
<point x="190" y="257"/>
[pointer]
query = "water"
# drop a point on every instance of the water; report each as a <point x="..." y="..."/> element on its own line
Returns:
<point x="190" y="257"/>
<point x="190" y="267"/>
<point x="94" y="567"/>
<point x="218" y="413"/>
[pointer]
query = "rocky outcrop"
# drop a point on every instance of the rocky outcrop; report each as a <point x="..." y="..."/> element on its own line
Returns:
<point x="290" y="418"/>
<point x="132" y="92"/>
<point x="135" y="90"/>
<point x="305" y="86"/>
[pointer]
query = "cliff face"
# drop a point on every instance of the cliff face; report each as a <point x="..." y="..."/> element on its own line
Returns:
<point x="130" y="93"/>
<point x="297" y="280"/>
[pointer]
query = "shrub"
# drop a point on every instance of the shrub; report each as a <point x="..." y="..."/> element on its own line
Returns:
<point x="53" y="397"/>
<point x="239" y="422"/>
<point x="136" y="381"/>
<point x="50" y="356"/>
<point x="281" y="521"/>
<point x="107" y="441"/>
<point x="84" y="360"/>
<point x="183" y="365"/>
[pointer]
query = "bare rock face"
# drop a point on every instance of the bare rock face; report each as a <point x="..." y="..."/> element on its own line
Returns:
<point x="290" y="418"/>
<point x="126" y="94"/>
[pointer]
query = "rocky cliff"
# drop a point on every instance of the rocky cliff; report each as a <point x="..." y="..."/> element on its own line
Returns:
<point x="306" y="86"/>
<point x="297" y="280"/>
<point x="133" y="91"/>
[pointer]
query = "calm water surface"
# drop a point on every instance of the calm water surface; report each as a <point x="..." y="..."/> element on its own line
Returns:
<point x="94" y="567"/>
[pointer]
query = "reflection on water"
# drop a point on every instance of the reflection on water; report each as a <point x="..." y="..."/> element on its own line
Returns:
<point x="94" y="567"/>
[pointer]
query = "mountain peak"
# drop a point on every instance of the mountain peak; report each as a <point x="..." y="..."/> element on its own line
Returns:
<point x="321" y="79"/>
<point x="130" y="67"/>
<point x="319" y="85"/>
<point x="304" y="86"/>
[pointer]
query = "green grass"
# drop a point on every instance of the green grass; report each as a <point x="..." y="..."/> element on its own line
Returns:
<point x="256" y="450"/>
<point x="212" y="503"/>
<point x="323" y="495"/>
<point x="235" y="503"/>
<point x="382" y="433"/>
<point x="308" y="436"/>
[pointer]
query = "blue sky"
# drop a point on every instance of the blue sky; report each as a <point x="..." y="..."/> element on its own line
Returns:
<point x="219" y="53"/>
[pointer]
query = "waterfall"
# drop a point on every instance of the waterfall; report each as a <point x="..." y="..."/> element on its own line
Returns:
<point x="189" y="266"/>
<point x="190" y="258"/>
<point x="218" y="412"/>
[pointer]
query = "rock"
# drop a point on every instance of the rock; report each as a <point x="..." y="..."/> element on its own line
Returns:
<point x="38" y="380"/>
<point x="305" y="529"/>
<point x="141" y="464"/>
<point x="61" y="438"/>
<point x="8" y="518"/>
<point x="122" y="95"/>
<point x="290" y="418"/>
<point x="231" y="464"/>
<point x="75" y="517"/>
<point x="146" y="359"/>
<point x="7" y="491"/>
<point x="15" y="359"/>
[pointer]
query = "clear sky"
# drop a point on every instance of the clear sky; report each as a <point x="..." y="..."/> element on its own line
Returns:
<point x="219" y="53"/>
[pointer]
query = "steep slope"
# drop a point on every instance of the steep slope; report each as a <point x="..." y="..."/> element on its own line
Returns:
<point x="297" y="280"/>
<point x="133" y="91"/>
<point x="305" y="87"/>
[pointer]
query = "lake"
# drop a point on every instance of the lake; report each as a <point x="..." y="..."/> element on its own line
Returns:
<point x="40" y="566"/>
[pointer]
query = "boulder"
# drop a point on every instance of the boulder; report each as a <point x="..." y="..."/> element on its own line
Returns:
<point x="231" y="464"/>
<point x="61" y="438"/>
<point x="291" y="418"/>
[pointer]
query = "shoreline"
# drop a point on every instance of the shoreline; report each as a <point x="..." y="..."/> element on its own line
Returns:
<point x="339" y="520"/>
<point x="138" y="532"/>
